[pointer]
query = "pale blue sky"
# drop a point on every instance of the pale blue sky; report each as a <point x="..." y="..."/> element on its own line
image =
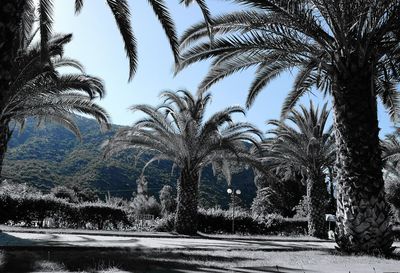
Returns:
<point x="98" y="45"/>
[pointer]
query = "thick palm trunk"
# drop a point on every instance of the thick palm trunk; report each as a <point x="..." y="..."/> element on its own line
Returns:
<point x="10" y="17"/>
<point x="186" y="211"/>
<point x="317" y="202"/>
<point x="363" y="223"/>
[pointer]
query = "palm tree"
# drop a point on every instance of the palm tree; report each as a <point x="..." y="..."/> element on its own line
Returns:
<point x="178" y="131"/>
<point x="48" y="95"/>
<point x="306" y="148"/>
<point x="17" y="18"/>
<point x="348" y="49"/>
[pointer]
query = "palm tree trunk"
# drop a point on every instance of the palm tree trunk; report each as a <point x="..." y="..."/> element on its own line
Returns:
<point x="10" y="17"/>
<point x="332" y="199"/>
<point x="5" y="135"/>
<point x="188" y="194"/>
<point x="317" y="195"/>
<point x="363" y="218"/>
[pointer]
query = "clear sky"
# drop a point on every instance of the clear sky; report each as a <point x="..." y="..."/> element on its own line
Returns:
<point x="98" y="45"/>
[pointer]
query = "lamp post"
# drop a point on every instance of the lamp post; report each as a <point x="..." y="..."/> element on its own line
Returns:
<point x="232" y="193"/>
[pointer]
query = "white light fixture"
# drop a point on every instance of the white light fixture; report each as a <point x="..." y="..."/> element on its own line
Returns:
<point x="238" y="192"/>
<point x="229" y="190"/>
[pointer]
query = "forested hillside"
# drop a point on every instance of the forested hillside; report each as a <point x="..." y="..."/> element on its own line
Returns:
<point x="51" y="155"/>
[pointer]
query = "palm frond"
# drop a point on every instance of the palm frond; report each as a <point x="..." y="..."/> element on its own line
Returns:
<point x="45" y="21"/>
<point x="120" y="10"/>
<point x="177" y="132"/>
<point x="168" y="25"/>
<point x="78" y="6"/>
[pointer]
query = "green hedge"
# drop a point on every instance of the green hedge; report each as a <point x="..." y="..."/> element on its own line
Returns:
<point x="217" y="220"/>
<point x="30" y="208"/>
<point x="102" y="214"/>
<point x="220" y="221"/>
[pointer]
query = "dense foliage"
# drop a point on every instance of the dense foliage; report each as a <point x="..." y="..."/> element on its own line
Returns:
<point x="348" y="50"/>
<point x="303" y="144"/>
<point x="167" y="200"/>
<point x="278" y="194"/>
<point x="51" y="156"/>
<point x="33" y="208"/>
<point x="220" y="221"/>
<point x="178" y="131"/>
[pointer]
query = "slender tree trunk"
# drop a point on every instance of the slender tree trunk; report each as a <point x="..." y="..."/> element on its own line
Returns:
<point x="317" y="195"/>
<point x="363" y="218"/>
<point x="188" y="195"/>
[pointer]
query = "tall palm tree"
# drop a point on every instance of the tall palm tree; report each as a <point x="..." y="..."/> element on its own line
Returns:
<point x="17" y="18"/>
<point x="305" y="145"/>
<point x="48" y="95"/>
<point x="348" y="49"/>
<point x="178" y="131"/>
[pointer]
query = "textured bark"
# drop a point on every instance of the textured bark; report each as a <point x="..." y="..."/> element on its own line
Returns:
<point x="10" y="17"/>
<point x="317" y="202"/>
<point x="5" y="135"/>
<point x="188" y="195"/>
<point x="362" y="212"/>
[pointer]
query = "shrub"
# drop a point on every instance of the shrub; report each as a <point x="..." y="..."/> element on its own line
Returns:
<point x="217" y="220"/>
<point x="32" y="207"/>
<point x="22" y="189"/>
<point x="165" y="224"/>
<point x="63" y="192"/>
<point x="392" y="188"/>
<point x="35" y="207"/>
<point x="220" y="221"/>
<point x="101" y="215"/>
<point x="277" y="194"/>
<point x="302" y="208"/>
<point x="167" y="200"/>
<point x="142" y="204"/>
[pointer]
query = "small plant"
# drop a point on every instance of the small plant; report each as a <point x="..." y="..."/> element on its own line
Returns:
<point x="165" y="224"/>
<point x="142" y="204"/>
<point x="302" y="208"/>
<point x="167" y="200"/>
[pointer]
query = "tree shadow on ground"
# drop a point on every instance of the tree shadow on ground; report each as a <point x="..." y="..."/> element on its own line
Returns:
<point x="30" y="255"/>
<point x="270" y="239"/>
<point x="395" y="255"/>
<point x="72" y="260"/>
<point x="9" y="240"/>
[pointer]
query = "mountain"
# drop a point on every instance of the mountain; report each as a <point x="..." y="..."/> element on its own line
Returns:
<point x="49" y="156"/>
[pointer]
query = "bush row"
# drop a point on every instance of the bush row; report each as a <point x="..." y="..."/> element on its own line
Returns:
<point x="220" y="221"/>
<point x="36" y="208"/>
<point x="217" y="220"/>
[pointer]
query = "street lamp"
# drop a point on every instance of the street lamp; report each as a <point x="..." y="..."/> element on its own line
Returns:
<point x="232" y="193"/>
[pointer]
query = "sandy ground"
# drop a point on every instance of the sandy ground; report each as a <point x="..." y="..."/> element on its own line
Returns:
<point x="49" y="252"/>
<point x="25" y="239"/>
